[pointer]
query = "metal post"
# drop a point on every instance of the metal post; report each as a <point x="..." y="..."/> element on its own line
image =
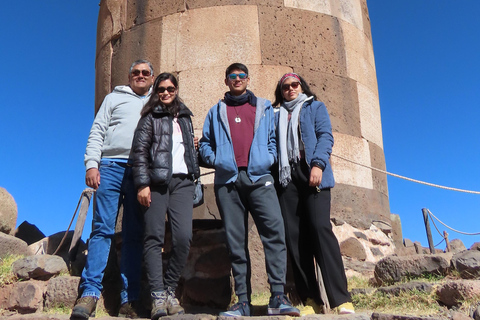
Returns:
<point x="429" y="233"/>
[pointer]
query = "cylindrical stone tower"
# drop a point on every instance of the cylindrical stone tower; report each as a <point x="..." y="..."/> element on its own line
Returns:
<point x="326" y="41"/>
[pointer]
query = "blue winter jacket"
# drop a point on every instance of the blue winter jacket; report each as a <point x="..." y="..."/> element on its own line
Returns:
<point x="216" y="148"/>
<point x="316" y="134"/>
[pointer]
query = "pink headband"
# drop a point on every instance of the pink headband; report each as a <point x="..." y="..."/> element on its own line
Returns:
<point x="289" y="75"/>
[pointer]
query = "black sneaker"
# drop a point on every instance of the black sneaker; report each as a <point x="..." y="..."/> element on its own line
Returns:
<point x="279" y="305"/>
<point x="84" y="308"/>
<point x="159" y="304"/>
<point x="239" y="309"/>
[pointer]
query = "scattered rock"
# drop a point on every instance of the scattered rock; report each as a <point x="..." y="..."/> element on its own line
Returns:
<point x="393" y="268"/>
<point x="8" y="212"/>
<point x="467" y="263"/>
<point x="62" y="291"/>
<point x="11" y="245"/>
<point x="337" y="221"/>
<point x="456" y="245"/>
<point x="409" y="286"/>
<point x="475" y="246"/>
<point x="453" y="293"/>
<point x="360" y="235"/>
<point x="352" y="248"/>
<point x="408" y="243"/>
<point x="39" y="267"/>
<point x="376" y="252"/>
<point x="27" y="297"/>
<point x="459" y="316"/>
<point x="396" y="228"/>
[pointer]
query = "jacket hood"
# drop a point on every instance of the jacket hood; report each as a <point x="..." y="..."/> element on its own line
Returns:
<point x="127" y="90"/>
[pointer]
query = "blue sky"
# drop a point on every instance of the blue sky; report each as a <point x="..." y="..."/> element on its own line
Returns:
<point x="426" y="55"/>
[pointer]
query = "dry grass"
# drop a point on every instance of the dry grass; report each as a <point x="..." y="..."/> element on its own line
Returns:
<point x="6" y="274"/>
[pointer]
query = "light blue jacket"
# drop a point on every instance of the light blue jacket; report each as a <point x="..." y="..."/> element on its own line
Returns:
<point x="216" y="148"/>
<point x="316" y="135"/>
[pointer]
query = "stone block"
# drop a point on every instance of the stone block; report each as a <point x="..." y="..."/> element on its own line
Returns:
<point x="302" y="38"/>
<point x="103" y="74"/>
<point x="370" y="120"/>
<point x="352" y="248"/>
<point x="111" y="22"/>
<point x="377" y="160"/>
<point x="359" y="206"/>
<point x="396" y="227"/>
<point x="131" y="46"/>
<point x="193" y="48"/>
<point x="11" y="245"/>
<point x="454" y="293"/>
<point x="27" y="297"/>
<point x="61" y="291"/>
<point x="8" y="212"/>
<point x="359" y="57"/>
<point x="355" y="150"/>
<point x="339" y="95"/>
<point x="140" y="12"/>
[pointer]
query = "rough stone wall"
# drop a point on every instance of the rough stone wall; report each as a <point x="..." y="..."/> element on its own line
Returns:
<point x="326" y="41"/>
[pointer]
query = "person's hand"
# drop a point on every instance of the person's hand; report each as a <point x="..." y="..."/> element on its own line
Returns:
<point x="143" y="196"/>
<point x="195" y="142"/>
<point x="315" y="177"/>
<point x="92" y="178"/>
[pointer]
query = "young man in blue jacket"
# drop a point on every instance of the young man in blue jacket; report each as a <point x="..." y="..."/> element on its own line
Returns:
<point x="239" y="142"/>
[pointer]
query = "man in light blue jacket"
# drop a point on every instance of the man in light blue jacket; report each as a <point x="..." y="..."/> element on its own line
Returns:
<point x="106" y="157"/>
<point x="239" y="142"/>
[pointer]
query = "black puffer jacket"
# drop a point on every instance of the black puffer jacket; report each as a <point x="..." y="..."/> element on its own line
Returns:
<point x="152" y="147"/>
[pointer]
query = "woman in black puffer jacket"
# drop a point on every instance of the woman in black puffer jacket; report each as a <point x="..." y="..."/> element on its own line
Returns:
<point x="165" y="163"/>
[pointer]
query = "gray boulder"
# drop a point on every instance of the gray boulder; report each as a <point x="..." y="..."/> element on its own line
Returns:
<point x="8" y="212"/>
<point x="453" y="293"/>
<point x="393" y="268"/>
<point x="11" y="245"/>
<point x="39" y="267"/>
<point x="61" y="291"/>
<point x="467" y="263"/>
<point x="456" y="245"/>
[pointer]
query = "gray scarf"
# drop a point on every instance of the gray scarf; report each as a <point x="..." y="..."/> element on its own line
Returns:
<point x="289" y="150"/>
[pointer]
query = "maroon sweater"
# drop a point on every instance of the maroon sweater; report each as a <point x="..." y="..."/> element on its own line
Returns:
<point x="241" y="131"/>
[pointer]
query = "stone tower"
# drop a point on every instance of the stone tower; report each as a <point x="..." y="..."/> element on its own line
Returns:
<point x="328" y="42"/>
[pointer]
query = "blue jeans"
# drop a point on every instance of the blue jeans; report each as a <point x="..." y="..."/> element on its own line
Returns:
<point x="116" y="188"/>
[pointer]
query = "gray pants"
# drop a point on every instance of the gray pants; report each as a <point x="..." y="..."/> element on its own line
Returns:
<point x="234" y="201"/>
<point x="176" y="200"/>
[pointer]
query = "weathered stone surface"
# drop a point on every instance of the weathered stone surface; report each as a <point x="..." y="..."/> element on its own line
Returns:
<point x="459" y="315"/>
<point x="377" y="159"/>
<point x="39" y="267"/>
<point x="467" y="263"/>
<point x="456" y="245"/>
<point x="408" y="243"/>
<point x="475" y="246"/>
<point x="61" y="291"/>
<point x="28" y="232"/>
<point x="27" y="297"/>
<point x="358" y="268"/>
<point x="8" y="212"/>
<point x="5" y="293"/>
<point x="360" y="235"/>
<point x="353" y="248"/>
<point x="386" y="316"/>
<point x="12" y="245"/>
<point x="393" y="269"/>
<point x="405" y="287"/>
<point x="376" y="252"/>
<point x="214" y="263"/>
<point x="453" y="293"/>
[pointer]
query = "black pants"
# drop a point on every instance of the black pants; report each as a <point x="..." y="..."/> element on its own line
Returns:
<point x="309" y="235"/>
<point x="176" y="200"/>
<point x="234" y="201"/>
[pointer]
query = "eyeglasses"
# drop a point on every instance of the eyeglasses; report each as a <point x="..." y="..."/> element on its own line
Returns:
<point x="169" y="89"/>
<point x="233" y="76"/>
<point x="145" y="73"/>
<point x="286" y="86"/>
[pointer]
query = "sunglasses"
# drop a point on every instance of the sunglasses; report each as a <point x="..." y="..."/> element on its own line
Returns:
<point x="169" y="89"/>
<point x="145" y="73"/>
<point x="287" y="86"/>
<point x="233" y="76"/>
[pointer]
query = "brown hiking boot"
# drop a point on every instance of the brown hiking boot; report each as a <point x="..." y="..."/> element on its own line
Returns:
<point x="127" y="310"/>
<point x="84" y="308"/>
<point x="173" y="305"/>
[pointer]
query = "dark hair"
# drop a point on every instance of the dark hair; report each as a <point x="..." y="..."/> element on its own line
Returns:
<point x="306" y="89"/>
<point x="154" y="100"/>
<point x="236" y="66"/>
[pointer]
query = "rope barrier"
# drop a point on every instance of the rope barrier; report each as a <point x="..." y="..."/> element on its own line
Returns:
<point x="406" y="178"/>
<point x="421" y="182"/>
<point x="461" y="232"/>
